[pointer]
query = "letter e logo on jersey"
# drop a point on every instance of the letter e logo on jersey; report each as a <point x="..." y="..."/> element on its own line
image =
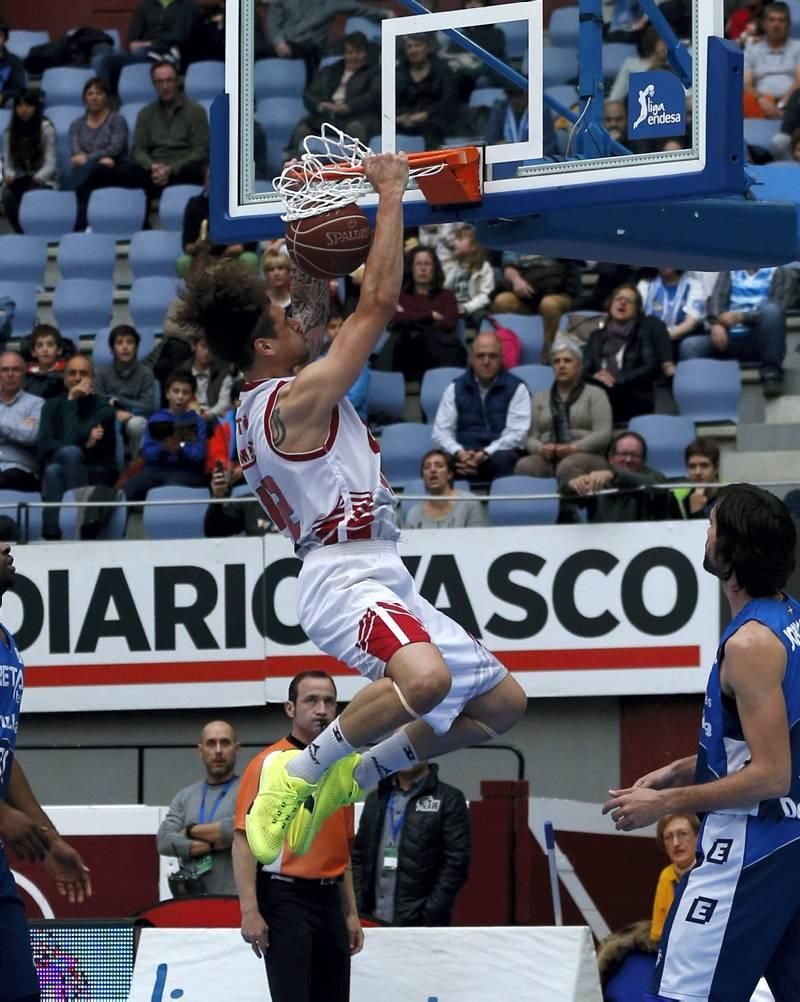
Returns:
<point x="719" y="851"/>
<point x="701" y="911"/>
<point x="656" y="105"/>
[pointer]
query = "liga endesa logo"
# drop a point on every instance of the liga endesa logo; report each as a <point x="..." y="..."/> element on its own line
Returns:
<point x="656" y="105"/>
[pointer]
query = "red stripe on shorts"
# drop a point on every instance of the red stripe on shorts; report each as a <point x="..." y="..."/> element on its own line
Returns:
<point x="377" y="637"/>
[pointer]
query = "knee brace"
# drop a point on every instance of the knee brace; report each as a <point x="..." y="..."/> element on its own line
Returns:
<point x="484" y="727"/>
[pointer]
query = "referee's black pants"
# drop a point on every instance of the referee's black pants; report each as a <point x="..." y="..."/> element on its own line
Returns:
<point x="308" y="959"/>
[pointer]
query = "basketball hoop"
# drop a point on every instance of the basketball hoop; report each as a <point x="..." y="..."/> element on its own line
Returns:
<point x="330" y="174"/>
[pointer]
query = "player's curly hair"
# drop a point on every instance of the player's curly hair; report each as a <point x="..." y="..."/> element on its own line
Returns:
<point x="755" y="539"/>
<point x="227" y="301"/>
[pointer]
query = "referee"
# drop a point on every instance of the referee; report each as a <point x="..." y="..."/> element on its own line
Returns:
<point x="299" y="912"/>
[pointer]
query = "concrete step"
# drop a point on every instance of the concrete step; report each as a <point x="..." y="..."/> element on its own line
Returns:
<point x="772" y="437"/>
<point x="782" y="466"/>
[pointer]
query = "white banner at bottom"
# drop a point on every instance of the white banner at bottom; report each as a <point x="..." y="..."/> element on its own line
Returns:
<point x="520" y="964"/>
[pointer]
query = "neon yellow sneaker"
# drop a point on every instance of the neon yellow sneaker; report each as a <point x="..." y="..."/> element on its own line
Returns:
<point x="279" y="798"/>
<point x="336" y="789"/>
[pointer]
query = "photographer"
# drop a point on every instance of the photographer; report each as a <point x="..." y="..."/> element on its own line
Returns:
<point x="174" y="443"/>
<point x="199" y="826"/>
<point x="235" y="517"/>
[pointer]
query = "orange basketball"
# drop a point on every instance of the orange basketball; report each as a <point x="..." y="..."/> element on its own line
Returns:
<point x="330" y="245"/>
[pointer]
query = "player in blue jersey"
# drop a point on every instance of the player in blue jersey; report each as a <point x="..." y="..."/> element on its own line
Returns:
<point x="736" y="915"/>
<point x="24" y="827"/>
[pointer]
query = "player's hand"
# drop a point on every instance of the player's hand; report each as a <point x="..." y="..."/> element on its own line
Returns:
<point x="355" y="934"/>
<point x="68" y="870"/>
<point x="658" y="779"/>
<point x="637" y="807"/>
<point x="255" y="931"/>
<point x="28" y="840"/>
<point x="387" y="172"/>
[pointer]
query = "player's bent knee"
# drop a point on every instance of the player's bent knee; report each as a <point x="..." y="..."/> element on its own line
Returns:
<point x="503" y="706"/>
<point x="422" y="677"/>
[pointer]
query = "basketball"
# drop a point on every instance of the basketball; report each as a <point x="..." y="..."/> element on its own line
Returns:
<point x="329" y="245"/>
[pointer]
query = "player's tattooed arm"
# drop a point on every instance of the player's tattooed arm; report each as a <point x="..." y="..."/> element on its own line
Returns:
<point x="310" y="302"/>
<point x="277" y="428"/>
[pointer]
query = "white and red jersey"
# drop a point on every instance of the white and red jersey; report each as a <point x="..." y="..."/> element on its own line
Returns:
<point x="334" y="494"/>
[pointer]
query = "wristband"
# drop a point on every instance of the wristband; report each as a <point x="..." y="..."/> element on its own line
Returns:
<point x="189" y="832"/>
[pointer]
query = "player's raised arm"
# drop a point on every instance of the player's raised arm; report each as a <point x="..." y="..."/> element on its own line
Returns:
<point x="323" y="384"/>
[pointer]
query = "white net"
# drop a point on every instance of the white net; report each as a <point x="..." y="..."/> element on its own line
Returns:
<point x="327" y="175"/>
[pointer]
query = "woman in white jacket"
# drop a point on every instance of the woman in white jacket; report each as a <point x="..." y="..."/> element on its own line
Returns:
<point x="470" y="277"/>
<point x="29" y="153"/>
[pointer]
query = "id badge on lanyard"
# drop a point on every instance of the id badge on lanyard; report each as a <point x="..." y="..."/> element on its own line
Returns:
<point x="390" y="849"/>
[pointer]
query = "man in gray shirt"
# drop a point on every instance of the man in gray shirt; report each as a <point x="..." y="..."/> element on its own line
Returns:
<point x="302" y="31"/>
<point x="198" y="828"/>
<point x="19" y="427"/>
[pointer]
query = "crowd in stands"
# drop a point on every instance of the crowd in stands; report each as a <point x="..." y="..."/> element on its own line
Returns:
<point x="540" y="363"/>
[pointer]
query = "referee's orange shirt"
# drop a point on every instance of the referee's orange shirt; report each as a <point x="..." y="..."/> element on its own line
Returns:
<point x="329" y="855"/>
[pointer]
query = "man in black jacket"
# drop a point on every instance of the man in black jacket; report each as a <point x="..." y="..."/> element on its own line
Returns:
<point x="412" y="850"/>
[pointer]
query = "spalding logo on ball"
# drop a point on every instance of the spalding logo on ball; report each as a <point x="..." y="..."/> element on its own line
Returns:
<point x="330" y="245"/>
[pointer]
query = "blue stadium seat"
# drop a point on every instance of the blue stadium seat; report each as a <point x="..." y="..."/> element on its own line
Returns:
<point x="667" y="437"/>
<point x="205" y="79"/>
<point x="64" y="85"/>
<point x="130" y="112"/>
<point x="279" y="116"/>
<point x="101" y="352"/>
<point x="559" y="66"/>
<point x="87" y="255"/>
<point x="9" y="506"/>
<point x="409" y="487"/>
<point x="538" y="512"/>
<point x="83" y="306"/>
<point x="761" y="131"/>
<point x="119" y="212"/>
<point x="177" y="521"/>
<point x="62" y="116"/>
<point x="529" y="330"/>
<point x="135" y="84"/>
<point x="368" y="27"/>
<point x="149" y="301"/>
<point x="536" y="377"/>
<point x="566" y="94"/>
<point x="708" y="389"/>
<point x="5" y="119"/>
<point x="279" y="78"/>
<point x="47" y="213"/>
<point x="485" y="97"/>
<point x="434" y="383"/>
<point x="154" y="252"/>
<point x="22" y="258"/>
<point x="564" y="26"/>
<point x="402" y="448"/>
<point x="20" y="41"/>
<point x="516" y="33"/>
<point x="614" y="55"/>
<point x="68" y="520"/>
<point x="386" y="396"/>
<point x="173" y="203"/>
<point x="24" y="296"/>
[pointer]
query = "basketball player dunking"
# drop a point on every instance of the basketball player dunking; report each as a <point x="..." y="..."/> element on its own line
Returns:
<point x="316" y="470"/>
<point x="736" y="915"/>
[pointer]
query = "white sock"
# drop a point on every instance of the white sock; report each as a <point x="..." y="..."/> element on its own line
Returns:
<point x="391" y="755"/>
<point x="320" y="755"/>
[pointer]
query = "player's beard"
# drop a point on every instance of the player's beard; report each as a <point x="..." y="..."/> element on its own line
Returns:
<point x="713" y="565"/>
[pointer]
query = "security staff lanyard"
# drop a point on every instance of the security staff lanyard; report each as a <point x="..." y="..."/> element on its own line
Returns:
<point x="395" y="824"/>
<point x="203" y="864"/>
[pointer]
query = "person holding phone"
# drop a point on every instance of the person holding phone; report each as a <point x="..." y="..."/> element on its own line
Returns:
<point x="174" y="443"/>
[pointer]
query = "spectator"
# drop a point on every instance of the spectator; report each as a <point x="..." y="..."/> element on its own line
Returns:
<point x="624" y="20"/>
<point x="784" y="144"/>
<point x="747" y="321"/>
<point x="19" y="427"/>
<point x="426" y="322"/>
<point x="76" y="440"/>
<point x="508" y="122"/>
<point x="615" y="120"/>
<point x="652" y="56"/>
<point x="196" y="241"/>
<point x="544" y="285"/>
<point x="626" y="960"/>
<point x="302" y="31"/>
<point x="412" y="850"/>
<point x="484" y="415"/>
<point x="207" y="39"/>
<point x="235" y="517"/>
<point x="702" y="467"/>
<point x="346" y="94"/>
<point x="12" y="72"/>
<point x="744" y="24"/>
<point x="626" y="455"/>
<point x="426" y="92"/>
<point x="771" y="66"/>
<point x="174" y="443"/>
<point x="571" y="422"/>
<point x="357" y="394"/>
<point x="469" y="69"/>
<point x="623" y="354"/>
<point x="213" y="379"/>
<point x="470" y="277"/>
<point x="677" y="299"/>
<point x="156" y="30"/>
<point x="677" y="836"/>
<point x="45" y="374"/>
<point x="29" y="153"/>
<point x="198" y="828"/>
<point x="98" y="142"/>
<point x="127" y="384"/>
<point x="300" y="914"/>
<point x="275" y="266"/>
<point x="170" y="141"/>
<point x="443" y="510"/>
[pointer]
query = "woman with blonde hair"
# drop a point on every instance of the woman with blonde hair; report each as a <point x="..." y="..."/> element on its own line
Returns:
<point x="275" y="266"/>
<point x="470" y="277"/>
